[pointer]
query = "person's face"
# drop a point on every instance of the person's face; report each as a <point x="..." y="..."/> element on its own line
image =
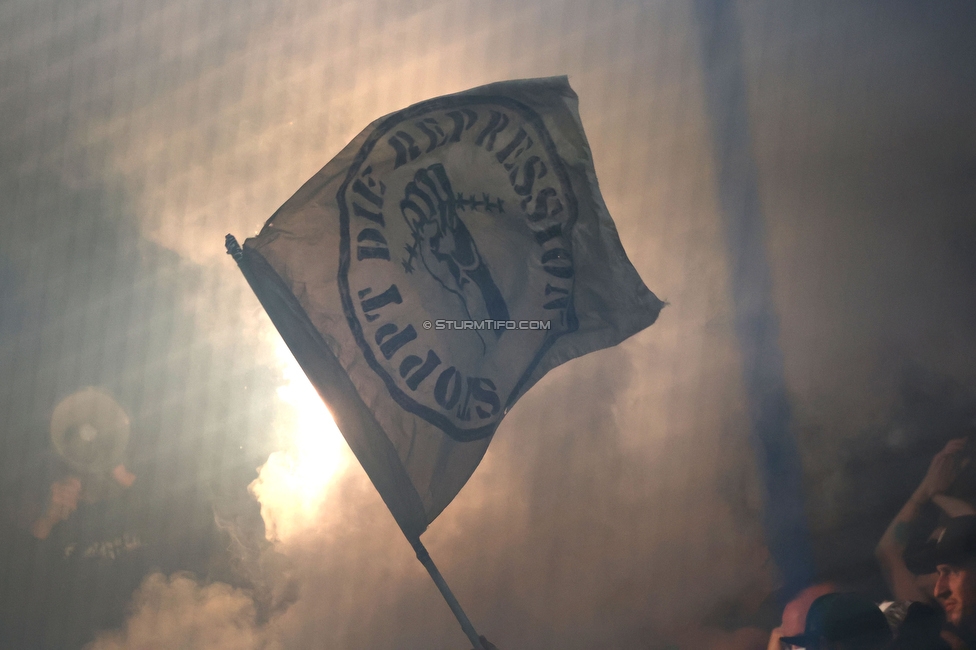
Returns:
<point x="955" y="589"/>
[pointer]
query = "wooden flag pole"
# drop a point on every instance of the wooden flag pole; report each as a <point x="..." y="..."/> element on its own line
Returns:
<point x="452" y="602"/>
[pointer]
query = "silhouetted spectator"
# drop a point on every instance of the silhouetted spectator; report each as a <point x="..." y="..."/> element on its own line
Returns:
<point x="843" y="621"/>
<point x="921" y="629"/>
<point x="795" y="613"/>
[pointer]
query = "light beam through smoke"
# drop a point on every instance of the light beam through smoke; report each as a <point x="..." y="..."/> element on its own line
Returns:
<point x="293" y="485"/>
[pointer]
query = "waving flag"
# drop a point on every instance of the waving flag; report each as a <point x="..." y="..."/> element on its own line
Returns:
<point x="439" y="266"/>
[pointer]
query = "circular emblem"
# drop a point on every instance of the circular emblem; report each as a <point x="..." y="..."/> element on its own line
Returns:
<point x="456" y="269"/>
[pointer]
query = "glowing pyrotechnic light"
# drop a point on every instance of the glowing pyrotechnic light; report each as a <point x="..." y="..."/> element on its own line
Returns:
<point x="293" y="485"/>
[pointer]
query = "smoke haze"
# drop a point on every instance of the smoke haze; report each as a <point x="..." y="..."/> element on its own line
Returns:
<point x="619" y="504"/>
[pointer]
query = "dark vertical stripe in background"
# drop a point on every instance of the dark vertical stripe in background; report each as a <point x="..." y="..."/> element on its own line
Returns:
<point x="756" y="323"/>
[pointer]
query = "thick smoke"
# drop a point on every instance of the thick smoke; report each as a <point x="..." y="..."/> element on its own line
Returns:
<point x="618" y="505"/>
<point x="177" y="612"/>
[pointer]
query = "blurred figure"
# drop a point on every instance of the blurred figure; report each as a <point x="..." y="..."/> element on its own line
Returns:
<point x="67" y="492"/>
<point x="921" y="629"/>
<point x="63" y="502"/>
<point x="842" y="621"/>
<point x="44" y="493"/>
<point x="907" y="586"/>
<point x="79" y="531"/>
<point x="89" y="433"/>
<point x="58" y="537"/>
<point x="795" y="613"/>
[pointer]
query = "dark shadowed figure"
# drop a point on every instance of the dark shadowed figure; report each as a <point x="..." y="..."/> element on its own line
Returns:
<point x="843" y="621"/>
<point x="921" y="629"/>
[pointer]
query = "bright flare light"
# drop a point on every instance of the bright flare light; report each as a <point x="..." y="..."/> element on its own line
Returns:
<point x="292" y="486"/>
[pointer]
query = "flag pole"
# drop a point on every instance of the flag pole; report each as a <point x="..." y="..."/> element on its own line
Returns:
<point x="452" y="602"/>
<point x="235" y="251"/>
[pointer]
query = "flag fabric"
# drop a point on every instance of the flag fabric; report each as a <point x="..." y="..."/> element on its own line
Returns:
<point x="437" y="268"/>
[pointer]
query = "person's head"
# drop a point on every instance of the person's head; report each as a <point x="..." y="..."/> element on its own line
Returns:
<point x="955" y="589"/>
<point x="795" y="612"/>
<point x="952" y="555"/>
<point x="26" y="493"/>
<point x="921" y="629"/>
<point x="843" y="621"/>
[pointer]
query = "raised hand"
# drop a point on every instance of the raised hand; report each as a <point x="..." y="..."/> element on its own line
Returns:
<point x="63" y="502"/>
<point x="943" y="469"/>
<point x="429" y="208"/>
